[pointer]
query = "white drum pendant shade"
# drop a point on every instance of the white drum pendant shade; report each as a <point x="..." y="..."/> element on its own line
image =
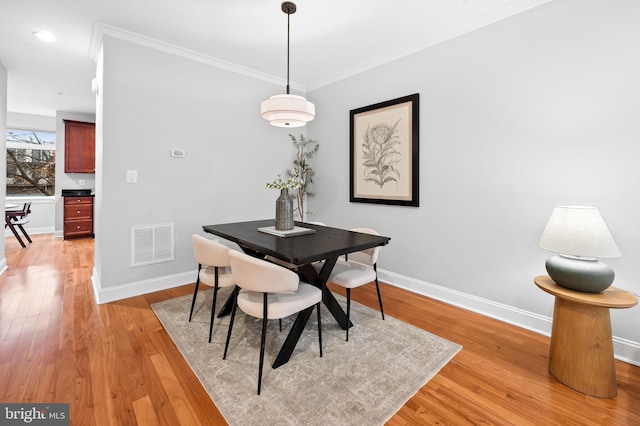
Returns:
<point x="287" y="110"/>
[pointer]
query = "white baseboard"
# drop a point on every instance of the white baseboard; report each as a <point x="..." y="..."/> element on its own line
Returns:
<point x="625" y="350"/>
<point x="30" y="231"/>
<point x="123" y="291"/>
<point x="3" y="265"/>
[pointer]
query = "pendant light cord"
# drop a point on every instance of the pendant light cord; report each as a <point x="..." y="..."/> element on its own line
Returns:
<point x="288" y="32"/>
<point x="287" y="110"/>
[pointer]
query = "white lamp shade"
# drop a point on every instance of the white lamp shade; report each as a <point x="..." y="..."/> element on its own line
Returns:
<point x="578" y="231"/>
<point x="287" y="110"/>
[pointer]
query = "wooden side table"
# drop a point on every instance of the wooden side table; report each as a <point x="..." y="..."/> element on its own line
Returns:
<point x="581" y="352"/>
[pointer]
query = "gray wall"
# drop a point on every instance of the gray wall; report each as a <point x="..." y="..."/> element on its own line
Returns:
<point x="3" y="147"/>
<point x="534" y="111"/>
<point x="31" y="121"/>
<point x="150" y="103"/>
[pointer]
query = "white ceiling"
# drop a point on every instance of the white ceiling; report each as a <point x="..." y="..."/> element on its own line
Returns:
<point x="330" y="39"/>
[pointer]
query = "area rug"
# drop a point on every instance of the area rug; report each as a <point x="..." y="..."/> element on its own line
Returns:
<point x="360" y="382"/>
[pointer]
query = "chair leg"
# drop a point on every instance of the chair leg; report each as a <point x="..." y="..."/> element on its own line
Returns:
<point x="213" y="304"/>
<point x="348" y="310"/>
<point x="195" y="292"/>
<point x="280" y="324"/>
<point x="319" y="329"/>
<point x="25" y="233"/>
<point x="379" y="296"/>
<point x="15" y="233"/>
<point x="262" y="339"/>
<point x="233" y="316"/>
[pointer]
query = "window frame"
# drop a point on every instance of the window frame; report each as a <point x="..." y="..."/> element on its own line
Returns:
<point x="46" y="135"/>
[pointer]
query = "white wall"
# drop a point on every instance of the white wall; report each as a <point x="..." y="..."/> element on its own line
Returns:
<point x="98" y="231"/>
<point x="152" y="102"/>
<point x="31" y="121"/>
<point x="3" y="147"/>
<point x="41" y="218"/>
<point x="537" y="110"/>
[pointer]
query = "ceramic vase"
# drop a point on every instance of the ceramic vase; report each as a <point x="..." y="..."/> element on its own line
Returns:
<point x="284" y="211"/>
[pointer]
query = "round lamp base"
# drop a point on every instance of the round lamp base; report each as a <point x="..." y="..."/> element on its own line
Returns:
<point x="584" y="275"/>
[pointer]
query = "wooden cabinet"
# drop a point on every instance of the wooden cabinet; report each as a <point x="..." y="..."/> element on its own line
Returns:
<point x="79" y="147"/>
<point x="78" y="217"/>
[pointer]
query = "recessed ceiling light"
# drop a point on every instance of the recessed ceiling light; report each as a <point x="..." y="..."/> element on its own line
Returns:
<point x="45" y="36"/>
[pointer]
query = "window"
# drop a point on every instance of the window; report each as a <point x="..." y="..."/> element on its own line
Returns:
<point x="31" y="162"/>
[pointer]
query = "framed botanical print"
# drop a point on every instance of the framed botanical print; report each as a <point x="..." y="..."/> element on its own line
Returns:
<point x="384" y="152"/>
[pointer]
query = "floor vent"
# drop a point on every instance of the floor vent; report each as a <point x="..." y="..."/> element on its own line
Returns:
<point x="152" y="244"/>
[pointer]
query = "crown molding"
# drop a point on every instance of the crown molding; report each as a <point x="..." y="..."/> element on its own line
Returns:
<point x="101" y="29"/>
<point x="510" y="9"/>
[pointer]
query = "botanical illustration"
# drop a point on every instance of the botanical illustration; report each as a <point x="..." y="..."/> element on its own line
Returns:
<point x="383" y="152"/>
<point x="380" y="155"/>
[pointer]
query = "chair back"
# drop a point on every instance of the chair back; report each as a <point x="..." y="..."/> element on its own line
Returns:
<point x="255" y="274"/>
<point x="210" y="253"/>
<point x="20" y="214"/>
<point x="368" y="256"/>
<point x="26" y="209"/>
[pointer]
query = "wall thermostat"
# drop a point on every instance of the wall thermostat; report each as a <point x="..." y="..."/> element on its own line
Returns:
<point x="178" y="153"/>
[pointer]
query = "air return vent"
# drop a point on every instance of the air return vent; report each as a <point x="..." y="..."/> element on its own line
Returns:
<point x="152" y="244"/>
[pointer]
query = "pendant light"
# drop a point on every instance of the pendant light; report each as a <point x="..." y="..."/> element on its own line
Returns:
<point x="287" y="110"/>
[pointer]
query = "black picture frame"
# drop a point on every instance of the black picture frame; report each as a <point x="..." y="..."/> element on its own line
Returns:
<point x="384" y="152"/>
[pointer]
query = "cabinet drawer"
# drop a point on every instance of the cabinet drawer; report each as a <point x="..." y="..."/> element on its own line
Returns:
<point x="77" y="200"/>
<point x="79" y="211"/>
<point x="78" y="217"/>
<point x="78" y="228"/>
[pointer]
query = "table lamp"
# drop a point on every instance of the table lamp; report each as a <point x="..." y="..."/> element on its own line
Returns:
<point x="579" y="235"/>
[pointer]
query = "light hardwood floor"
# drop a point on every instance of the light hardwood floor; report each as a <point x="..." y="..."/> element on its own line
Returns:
<point x="115" y="364"/>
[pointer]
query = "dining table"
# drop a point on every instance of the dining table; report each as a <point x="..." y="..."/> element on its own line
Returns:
<point x="312" y="255"/>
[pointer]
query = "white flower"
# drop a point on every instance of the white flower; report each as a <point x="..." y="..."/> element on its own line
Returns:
<point x="292" y="181"/>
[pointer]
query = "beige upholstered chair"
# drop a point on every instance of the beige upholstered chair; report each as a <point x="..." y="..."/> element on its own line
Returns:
<point x="212" y="258"/>
<point x="269" y="291"/>
<point x="357" y="269"/>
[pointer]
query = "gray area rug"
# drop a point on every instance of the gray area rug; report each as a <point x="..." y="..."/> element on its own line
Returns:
<point x="360" y="382"/>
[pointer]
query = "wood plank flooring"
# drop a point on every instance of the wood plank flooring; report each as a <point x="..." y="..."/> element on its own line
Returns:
<point x="115" y="364"/>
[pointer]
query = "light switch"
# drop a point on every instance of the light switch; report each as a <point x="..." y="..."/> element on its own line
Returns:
<point x="132" y="176"/>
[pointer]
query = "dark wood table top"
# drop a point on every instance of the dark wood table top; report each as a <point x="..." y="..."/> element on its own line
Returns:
<point x="326" y="242"/>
